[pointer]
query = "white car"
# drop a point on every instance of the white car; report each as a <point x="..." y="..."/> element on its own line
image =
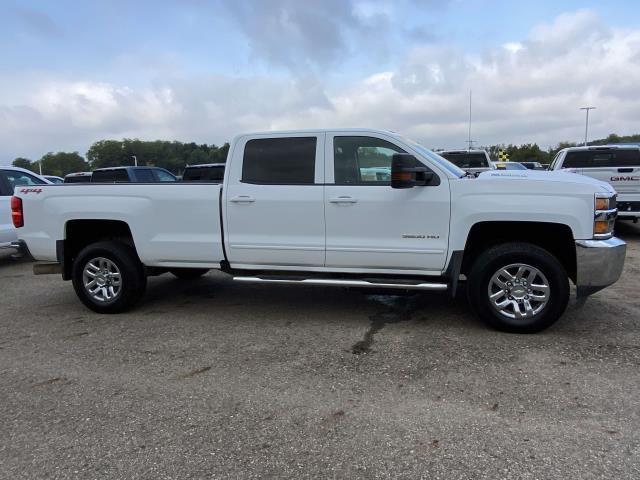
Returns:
<point x="618" y="165"/>
<point x="11" y="177"/>
<point x="304" y="208"/>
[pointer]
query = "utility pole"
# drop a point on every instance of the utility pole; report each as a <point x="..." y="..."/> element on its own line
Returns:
<point x="586" y="124"/>
<point x="469" y="141"/>
<point x="40" y="166"/>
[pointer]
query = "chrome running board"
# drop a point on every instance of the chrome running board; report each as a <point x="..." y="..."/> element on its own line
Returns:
<point x="345" y="283"/>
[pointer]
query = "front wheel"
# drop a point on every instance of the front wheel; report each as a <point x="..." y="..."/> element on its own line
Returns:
<point x="108" y="277"/>
<point x="518" y="287"/>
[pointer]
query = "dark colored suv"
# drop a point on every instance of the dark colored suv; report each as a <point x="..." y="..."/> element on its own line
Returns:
<point x="132" y="175"/>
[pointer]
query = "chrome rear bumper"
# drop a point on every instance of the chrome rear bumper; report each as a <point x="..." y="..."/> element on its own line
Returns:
<point x="18" y="248"/>
<point x="599" y="264"/>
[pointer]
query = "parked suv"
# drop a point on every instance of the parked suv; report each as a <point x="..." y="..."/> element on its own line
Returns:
<point x="132" y="175"/>
<point x="619" y="165"/>
<point x="11" y="177"/>
<point x="206" y="172"/>
<point x="472" y="161"/>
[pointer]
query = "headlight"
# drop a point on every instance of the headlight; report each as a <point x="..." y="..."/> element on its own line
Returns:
<point x="605" y="215"/>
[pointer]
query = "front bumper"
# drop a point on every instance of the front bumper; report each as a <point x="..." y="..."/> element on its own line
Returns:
<point x="599" y="264"/>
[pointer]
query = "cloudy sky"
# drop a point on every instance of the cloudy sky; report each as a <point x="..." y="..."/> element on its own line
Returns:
<point x="73" y="72"/>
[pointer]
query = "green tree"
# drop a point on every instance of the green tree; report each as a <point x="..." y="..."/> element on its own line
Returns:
<point x="108" y="153"/>
<point x="22" y="162"/>
<point x="62" y="163"/>
<point x="173" y="156"/>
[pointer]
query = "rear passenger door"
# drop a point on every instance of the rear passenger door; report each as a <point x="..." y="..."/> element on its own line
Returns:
<point x="273" y="201"/>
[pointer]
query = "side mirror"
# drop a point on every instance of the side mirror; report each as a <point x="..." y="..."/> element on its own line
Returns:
<point x="405" y="173"/>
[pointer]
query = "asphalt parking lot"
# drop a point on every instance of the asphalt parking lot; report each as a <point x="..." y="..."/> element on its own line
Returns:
<point x="212" y="379"/>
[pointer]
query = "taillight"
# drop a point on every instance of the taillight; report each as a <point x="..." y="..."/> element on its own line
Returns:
<point x="16" y="212"/>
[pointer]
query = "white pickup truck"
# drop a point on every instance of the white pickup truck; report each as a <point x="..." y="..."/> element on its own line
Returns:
<point x="618" y="165"/>
<point x="300" y="207"/>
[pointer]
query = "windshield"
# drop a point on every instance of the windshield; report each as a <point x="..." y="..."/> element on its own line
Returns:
<point x="442" y="162"/>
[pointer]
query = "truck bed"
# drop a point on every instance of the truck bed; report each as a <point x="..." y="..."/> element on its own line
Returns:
<point x="172" y="224"/>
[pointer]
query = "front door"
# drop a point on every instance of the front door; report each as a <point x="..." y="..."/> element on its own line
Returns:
<point x="373" y="226"/>
<point x="274" y="202"/>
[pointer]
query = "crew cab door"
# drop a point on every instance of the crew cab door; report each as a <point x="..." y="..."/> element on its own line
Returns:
<point x="373" y="226"/>
<point x="273" y="200"/>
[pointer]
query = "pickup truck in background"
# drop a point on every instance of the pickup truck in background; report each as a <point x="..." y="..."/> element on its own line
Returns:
<point x="302" y="208"/>
<point x="206" y="172"/>
<point x="472" y="161"/>
<point x="618" y="165"/>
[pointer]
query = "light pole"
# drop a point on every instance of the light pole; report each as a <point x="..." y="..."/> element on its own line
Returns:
<point x="586" y="124"/>
<point x="135" y="159"/>
<point x="469" y="141"/>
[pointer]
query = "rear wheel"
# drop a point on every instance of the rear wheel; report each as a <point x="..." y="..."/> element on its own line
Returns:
<point x="518" y="287"/>
<point x="188" y="273"/>
<point x="108" y="277"/>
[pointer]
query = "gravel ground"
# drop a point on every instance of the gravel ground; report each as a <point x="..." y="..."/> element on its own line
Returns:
<point x="212" y="379"/>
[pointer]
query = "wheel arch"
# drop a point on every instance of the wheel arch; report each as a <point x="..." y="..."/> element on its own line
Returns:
<point x="556" y="238"/>
<point x="82" y="232"/>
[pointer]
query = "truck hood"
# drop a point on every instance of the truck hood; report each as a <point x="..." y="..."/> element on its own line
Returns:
<point x="545" y="176"/>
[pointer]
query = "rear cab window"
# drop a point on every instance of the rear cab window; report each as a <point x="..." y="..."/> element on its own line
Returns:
<point x="602" y="158"/>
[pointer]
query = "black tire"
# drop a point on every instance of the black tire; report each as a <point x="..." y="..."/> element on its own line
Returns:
<point x="188" y="273"/>
<point x="500" y="256"/>
<point x="132" y="276"/>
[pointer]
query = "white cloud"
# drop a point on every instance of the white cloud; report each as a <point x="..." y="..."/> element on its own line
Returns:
<point x="527" y="90"/>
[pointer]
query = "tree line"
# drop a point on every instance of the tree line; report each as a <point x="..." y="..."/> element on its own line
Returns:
<point x="531" y="152"/>
<point x="174" y="156"/>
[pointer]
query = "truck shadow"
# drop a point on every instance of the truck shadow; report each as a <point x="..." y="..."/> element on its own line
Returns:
<point x="217" y="292"/>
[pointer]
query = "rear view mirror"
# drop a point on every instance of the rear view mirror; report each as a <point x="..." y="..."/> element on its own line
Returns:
<point x="405" y="173"/>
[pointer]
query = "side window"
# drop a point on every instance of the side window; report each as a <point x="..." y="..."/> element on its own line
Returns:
<point x="144" y="175"/>
<point x="17" y="179"/>
<point x="280" y="161"/>
<point x="363" y="160"/>
<point x="164" y="176"/>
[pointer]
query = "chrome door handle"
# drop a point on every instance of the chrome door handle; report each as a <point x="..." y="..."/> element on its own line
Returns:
<point x="343" y="199"/>
<point x="242" y="199"/>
